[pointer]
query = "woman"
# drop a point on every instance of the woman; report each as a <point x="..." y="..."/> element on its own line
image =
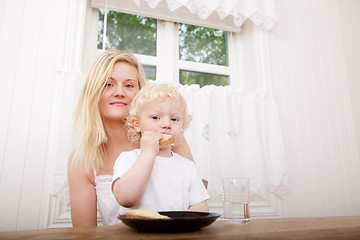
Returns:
<point x="114" y="79"/>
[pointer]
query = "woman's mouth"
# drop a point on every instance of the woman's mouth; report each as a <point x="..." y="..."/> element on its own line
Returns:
<point x="118" y="103"/>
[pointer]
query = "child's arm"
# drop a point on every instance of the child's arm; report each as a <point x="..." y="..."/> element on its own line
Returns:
<point x="199" y="207"/>
<point x="130" y="188"/>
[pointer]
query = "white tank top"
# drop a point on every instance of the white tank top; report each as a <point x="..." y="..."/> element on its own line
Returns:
<point x="108" y="206"/>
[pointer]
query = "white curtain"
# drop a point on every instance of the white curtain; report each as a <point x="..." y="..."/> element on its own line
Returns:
<point x="224" y="14"/>
<point x="259" y="11"/>
<point x="236" y="134"/>
<point x="70" y="77"/>
<point x="66" y="137"/>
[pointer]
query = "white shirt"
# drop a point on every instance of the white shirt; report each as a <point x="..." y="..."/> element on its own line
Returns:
<point x="174" y="184"/>
<point x="109" y="208"/>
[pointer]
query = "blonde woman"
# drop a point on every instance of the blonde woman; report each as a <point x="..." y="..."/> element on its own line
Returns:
<point x="153" y="177"/>
<point x="112" y="82"/>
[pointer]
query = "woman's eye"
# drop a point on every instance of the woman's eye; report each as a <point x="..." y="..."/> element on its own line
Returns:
<point x="129" y="85"/>
<point x="174" y="119"/>
<point x="108" y="85"/>
<point x="155" y="117"/>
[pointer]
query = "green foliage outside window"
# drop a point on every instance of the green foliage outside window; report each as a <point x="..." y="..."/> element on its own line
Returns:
<point x="187" y="77"/>
<point x="128" y="32"/>
<point x="201" y="44"/>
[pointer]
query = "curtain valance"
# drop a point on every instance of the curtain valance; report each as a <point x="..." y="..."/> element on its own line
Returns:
<point x="222" y="14"/>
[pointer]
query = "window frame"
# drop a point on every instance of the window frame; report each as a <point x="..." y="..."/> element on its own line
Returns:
<point x="167" y="62"/>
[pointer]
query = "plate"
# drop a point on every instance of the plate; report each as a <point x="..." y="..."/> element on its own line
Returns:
<point x="180" y="221"/>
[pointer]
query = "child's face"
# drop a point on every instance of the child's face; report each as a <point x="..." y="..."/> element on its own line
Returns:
<point x="164" y="116"/>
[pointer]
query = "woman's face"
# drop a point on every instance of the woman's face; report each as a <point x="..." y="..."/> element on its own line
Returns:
<point x="120" y="90"/>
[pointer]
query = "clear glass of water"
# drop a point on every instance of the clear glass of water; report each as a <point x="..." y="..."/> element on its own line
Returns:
<point x="236" y="197"/>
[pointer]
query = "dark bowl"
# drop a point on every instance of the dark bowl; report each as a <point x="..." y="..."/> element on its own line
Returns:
<point x="180" y="221"/>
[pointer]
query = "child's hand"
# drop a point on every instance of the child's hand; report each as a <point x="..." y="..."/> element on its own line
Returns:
<point x="149" y="142"/>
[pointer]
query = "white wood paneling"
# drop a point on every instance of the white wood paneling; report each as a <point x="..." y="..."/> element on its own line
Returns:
<point x="8" y="63"/>
<point x="31" y="91"/>
<point x="310" y="82"/>
<point x="17" y="121"/>
<point x="31" y="47"/>
<point x="40" y="122"/>
<point x="350" y="32"/>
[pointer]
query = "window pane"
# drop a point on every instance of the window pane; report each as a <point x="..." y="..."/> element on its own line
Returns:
<point x="187" y="77"/>
<point x="150" y="72"/>
<point x="128" y="32"/>
<point x="201" y="44"/>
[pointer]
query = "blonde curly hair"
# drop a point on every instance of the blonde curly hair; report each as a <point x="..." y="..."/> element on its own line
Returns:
<point x="153" y="92"/>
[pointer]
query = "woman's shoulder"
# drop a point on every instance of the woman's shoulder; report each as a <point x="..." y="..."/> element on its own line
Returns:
<point x="182" y="148"/>
<point x="76" y="169"/>
<point x="71" y="159"/>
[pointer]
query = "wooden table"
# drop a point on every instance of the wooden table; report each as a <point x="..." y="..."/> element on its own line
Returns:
<point x="290" y="228"/>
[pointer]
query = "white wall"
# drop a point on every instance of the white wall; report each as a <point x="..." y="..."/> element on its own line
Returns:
<point x="32" y="51"/>
<point x="314" y="55"/>
<point x="311" y="84"/>
<point x="28" y="73"/>
<point x="350" y="31"/>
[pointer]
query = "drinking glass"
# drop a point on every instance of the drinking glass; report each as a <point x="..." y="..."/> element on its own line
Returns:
<point x="236" y="198"/>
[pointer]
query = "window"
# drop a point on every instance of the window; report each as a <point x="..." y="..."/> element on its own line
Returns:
<point x="199" y="55"/>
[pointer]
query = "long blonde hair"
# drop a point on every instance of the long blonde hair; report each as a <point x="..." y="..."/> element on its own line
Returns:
<point x="91" y="151"/>
<point x="153" y="92"/>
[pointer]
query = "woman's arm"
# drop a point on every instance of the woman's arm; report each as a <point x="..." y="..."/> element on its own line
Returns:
<point x="182" y="148"/>
<point x="82" y="196"/>
<point x="199" y="207"/>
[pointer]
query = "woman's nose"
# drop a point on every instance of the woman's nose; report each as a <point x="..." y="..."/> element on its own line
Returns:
<point x="118" y="91"/>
